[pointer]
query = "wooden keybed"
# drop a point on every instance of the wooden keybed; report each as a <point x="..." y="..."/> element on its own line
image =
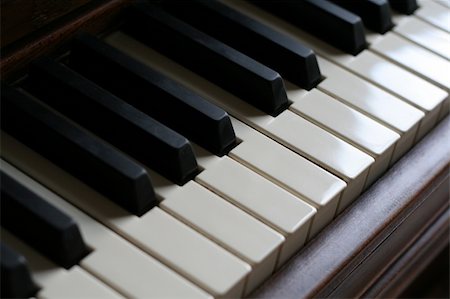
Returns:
<point x="374" y="248"/>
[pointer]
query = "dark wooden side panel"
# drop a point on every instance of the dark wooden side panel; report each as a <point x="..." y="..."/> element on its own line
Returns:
<point x="432" y="244"/>
<point x="374" y="231"/>
<point x="95" y="16"/>
<point x="21" y="17"/>
<point x="397" y="239"/>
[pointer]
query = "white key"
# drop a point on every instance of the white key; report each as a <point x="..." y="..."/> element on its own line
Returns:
<point x="445" y="3"/>
<point x="234" y="106"/>
<point x="418" y="60"/>
<point x="425" y="35"/>
<point x="114" y="260"/>
<point x="350" y="125"/>
<point x="398" y="18"/>
<point x="373" y="102"/>
<point x="76" y="284"/>
<point x="290" y="171"/>
<point x="229" y="226"/>
<point x="138" y="274"/>
<point x="287" y="128"/>
<point x="56" y="282"/>
<point x="373" y="68"/>
<point x="261" y="198"/>
<point x="327" y="150"/>
<point x="236" y="237"/>
<point x="435" y="14"/>
<point x="268" y="157"/>
<point x="403" y="84"/>
<point x="319" y="46"/>
<point x="372" y="36"/>
<point x="189" y="253"/>
<point x="175" y="244"/>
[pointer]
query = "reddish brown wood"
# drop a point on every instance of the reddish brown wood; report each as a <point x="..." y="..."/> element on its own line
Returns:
<point x="401" y="236"/>
<point x="92" y="19"/>
<point x="356" y="247"/>
<point x="411" y="264"/>
<point x="21" y="17"/>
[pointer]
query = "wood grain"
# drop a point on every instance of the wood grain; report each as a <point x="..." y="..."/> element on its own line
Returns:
<point x="95" y="18"/>
<point x="343" y="261"/>
<point x="416" y="259"/>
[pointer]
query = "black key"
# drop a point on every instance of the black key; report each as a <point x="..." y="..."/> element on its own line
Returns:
<point x="376" y="14"/>
<point x="217" y="62"/>
<point x="16" y="281"/>
<point x="39" y="224"/>
<point x="123" y="125"/>
<point x="83" y="155"/>
<point x="322" y="18"/>
<point x="288" y="57"/>
<point x="406" y="7"/>
<point x="151" y="92"/>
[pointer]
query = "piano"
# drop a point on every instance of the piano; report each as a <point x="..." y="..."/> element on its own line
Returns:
<point x="223" y="148"/>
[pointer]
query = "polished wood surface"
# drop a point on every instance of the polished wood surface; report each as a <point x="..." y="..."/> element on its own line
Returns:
<point x="94" y="17"/>
<point x="402" y="274"/>
<point x="351" y="255"/>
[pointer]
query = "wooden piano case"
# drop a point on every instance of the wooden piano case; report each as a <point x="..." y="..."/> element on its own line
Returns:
<point x="375" y="248"/>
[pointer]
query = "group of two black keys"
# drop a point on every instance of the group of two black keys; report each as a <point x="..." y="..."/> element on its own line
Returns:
<point x="145" y="113"/>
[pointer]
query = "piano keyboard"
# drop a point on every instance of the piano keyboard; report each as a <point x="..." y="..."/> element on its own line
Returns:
<point x="196" y="149"/>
